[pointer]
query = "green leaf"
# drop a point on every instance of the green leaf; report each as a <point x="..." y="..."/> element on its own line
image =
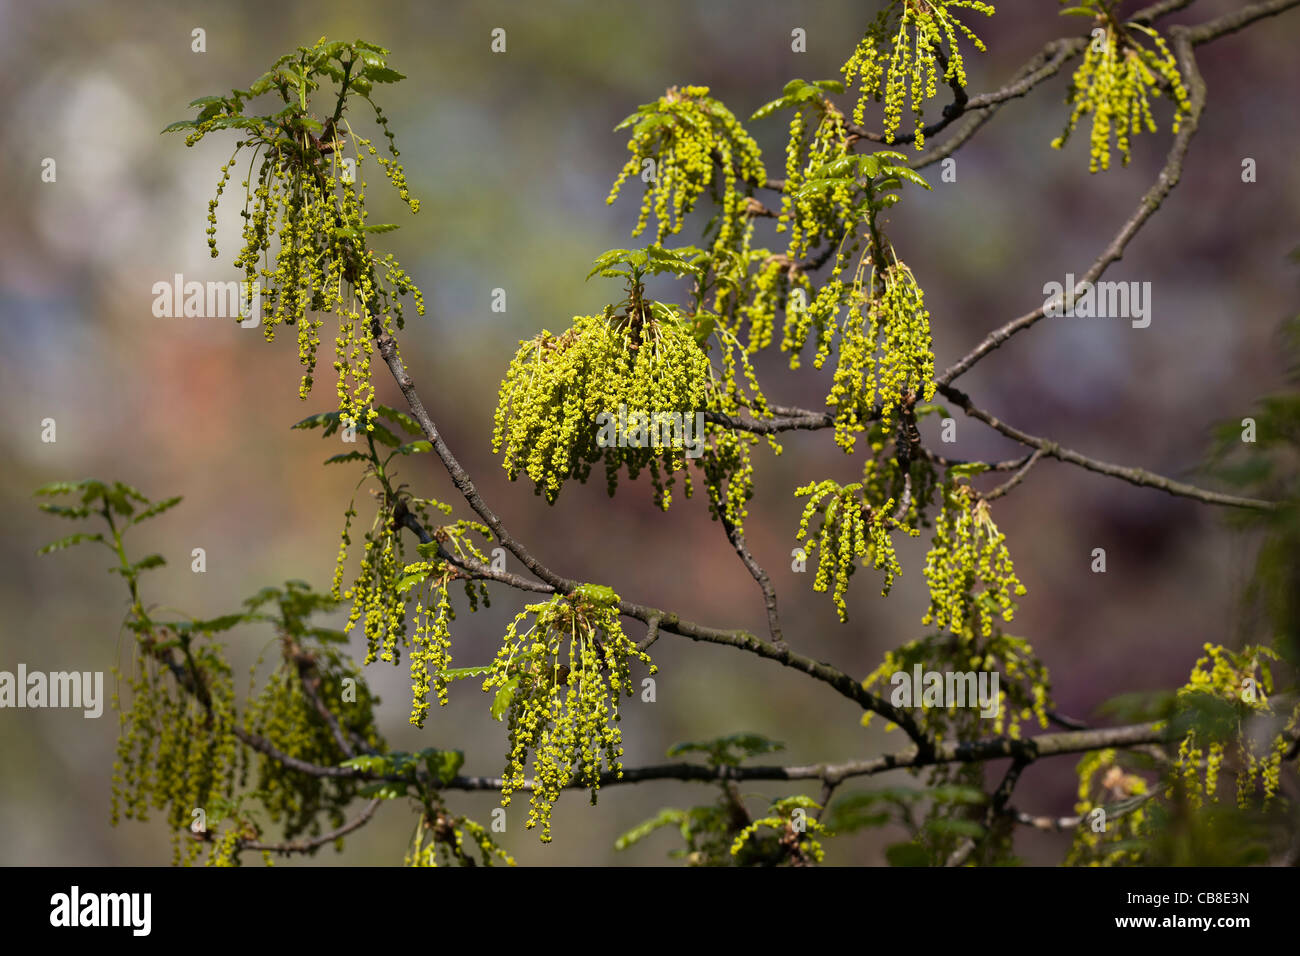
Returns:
<point x="382" y="435"/>
<point x="215" y="625"/>
<point x="156" y="509"/>
<point x="401" y="418"/>
<point x="63" y="511"/>
<point x="69" y="541"/>
<point x="346" y="457"/>
<point x="501" y="703"/>
<point x="382" y="74"/>
<point x="910" y="175"/>
<point x="381" y="227"/>
<point x="720" y="749"/>
<point x="328" y="420"/>
<point x="595" y="594"/>
<point x="179" y="124"/>
<point x="664" y="818"/>
<point x="444" y="765"/>
<point x="856" y="812"/>
<point x="385" y="789"/>
<point x="413" y="447"/>
<point x="907" y="854"/>
<point x="408" y="581"/>
<point x="931" y="408"/>
<point x="954" y="826"/>
<point x="60" y="487"/>
<point x="458" y="673"/>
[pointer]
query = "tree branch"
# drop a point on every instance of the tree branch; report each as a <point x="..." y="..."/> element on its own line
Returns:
<point x="781" y="653"/>
<point x="1135" y="476"/>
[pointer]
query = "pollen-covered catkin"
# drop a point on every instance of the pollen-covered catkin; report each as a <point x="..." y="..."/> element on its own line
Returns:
<point x="969" y="570"/>
<point x="900" y="58"/>
<point x="1115" y="84"/>
<point x="558" y="685"/>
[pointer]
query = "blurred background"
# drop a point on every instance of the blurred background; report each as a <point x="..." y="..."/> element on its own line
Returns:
<point x="512" y="156"/>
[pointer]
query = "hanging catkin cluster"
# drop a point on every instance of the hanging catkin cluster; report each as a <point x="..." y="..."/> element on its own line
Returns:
<point x="903" y="53"/>
<point x="815" y="217"/>
<point x="885" y="352"/>
<point x="305" y="228"/>
<point x="430" y="656"/>
<point x="1115" y="83"/>
<point x="673" y="145"/>
<point x="558" y="683"/>
<point x="850" y="530"/>
<point x="1243" y="680"/>
<point x="1024" y="685"/>
<point x="376" y="604"/>
<point x="643" y="363"/>
<point x="972" y="581"/>
<point x="284" y="715"/>
<point x="173" y="753"/>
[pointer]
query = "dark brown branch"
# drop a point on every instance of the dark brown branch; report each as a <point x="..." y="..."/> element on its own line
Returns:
<point x="1232" y="22"/>
<point x="1025" y="750"/>
<point x="781" y="653"/>
<point x="803" y="421"/>
<point x="1011" y="464"/>
<point x="1134" y="476"/>
<point x="303" y="846"/>
<point x="995" y="809"/>
<point x="1168" y="178"/>
<point x="737" y="539"/>
<point x="1015" y="479"/>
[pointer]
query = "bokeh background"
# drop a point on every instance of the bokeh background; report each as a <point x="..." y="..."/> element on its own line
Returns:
<point x="512" y="156"/>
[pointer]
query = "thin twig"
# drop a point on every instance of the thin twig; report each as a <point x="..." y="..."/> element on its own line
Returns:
<point x="1135" y="476"/>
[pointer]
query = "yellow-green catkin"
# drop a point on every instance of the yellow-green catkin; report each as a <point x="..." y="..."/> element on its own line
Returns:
<point x="675" y="143"/>
<point x="385" y="584"/>
<point x="1243" y="680"/>
<point x="899" y="59"/>
<point x="304" y="238"/>
<point x="1115" y="83"/>
<point x="558" y="684"/>
<point x="284" y="714"/>
<point x="815" y="217"/>
<point x="885" y="352"/>
<point x="969" y="570"/>
<point x="1024" y="684"/>
<point x="647" y="364"/>
<point x="850" y="530"/>
<point x="174" y="754"/>
<point x="797" y="828"/>
<point x="430" y="656"/>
